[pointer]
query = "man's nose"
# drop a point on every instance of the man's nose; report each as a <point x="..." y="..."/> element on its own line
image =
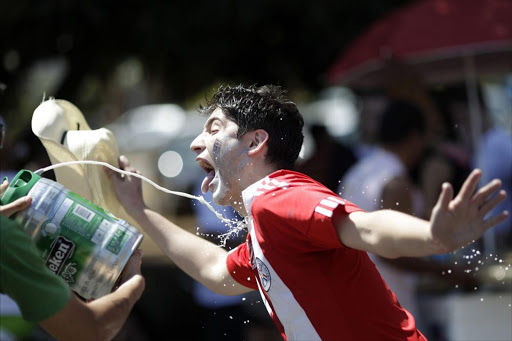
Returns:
<point x="197" y="145"/>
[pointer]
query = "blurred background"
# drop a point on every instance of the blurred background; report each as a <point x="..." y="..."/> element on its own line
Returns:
<point x="142" y="68"/>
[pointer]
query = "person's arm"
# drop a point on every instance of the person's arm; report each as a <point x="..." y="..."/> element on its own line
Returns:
<point x="77" y="320"/>
<point x="102" y="318"/>
<point x="455" y="222"/>
<point x="199" y="258"/>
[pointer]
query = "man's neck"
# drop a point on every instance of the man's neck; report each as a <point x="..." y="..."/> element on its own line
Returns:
<point x="255" y="171"/>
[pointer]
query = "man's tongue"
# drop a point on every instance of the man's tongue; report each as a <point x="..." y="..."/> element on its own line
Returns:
<point x="207" y="180"/>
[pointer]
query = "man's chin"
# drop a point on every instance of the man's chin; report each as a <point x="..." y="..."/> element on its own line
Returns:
<point x="219" y="198"/>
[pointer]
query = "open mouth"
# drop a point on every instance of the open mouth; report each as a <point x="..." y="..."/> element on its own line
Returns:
<point x="210" y="174"/>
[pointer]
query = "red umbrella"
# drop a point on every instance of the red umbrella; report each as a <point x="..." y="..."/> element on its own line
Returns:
<point x="441" y="40"/>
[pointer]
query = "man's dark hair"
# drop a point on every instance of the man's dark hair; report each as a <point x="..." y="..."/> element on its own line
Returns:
<point x="265" y="107"/>
<point x="399" y="119"/>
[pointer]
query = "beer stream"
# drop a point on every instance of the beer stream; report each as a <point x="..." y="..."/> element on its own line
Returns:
<point x="235" y="226"/>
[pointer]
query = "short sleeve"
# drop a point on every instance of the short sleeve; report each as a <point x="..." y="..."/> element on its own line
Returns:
<point x="238" y="263"/>
<point x="38" y="292"/>
<point x="305" y="215"/>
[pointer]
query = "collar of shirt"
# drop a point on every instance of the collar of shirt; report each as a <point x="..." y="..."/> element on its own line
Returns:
<point x="250" y="192"/>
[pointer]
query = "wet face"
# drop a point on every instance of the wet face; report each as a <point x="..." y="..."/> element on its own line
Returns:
<point x="223" y="157"/>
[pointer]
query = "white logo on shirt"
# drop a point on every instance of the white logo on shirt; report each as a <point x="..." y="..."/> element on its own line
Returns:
<point x="264" y="274"/>
<point x="327" y="206"/>
<point x="269" y="184"/>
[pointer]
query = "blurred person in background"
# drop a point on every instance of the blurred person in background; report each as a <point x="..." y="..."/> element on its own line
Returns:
<point x="329" y="160"/>
<point x="46" y="299"/>
<point x="382" y="180"/>
<point x="306" y="247"/>
<point x="494" y="156"/>
<point x="455" y="155"/>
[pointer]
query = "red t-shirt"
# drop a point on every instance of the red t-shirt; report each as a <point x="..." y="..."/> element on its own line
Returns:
<point x="313" y="287"/>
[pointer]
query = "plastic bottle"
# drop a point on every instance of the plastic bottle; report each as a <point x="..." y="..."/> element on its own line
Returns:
<point x="78" y="240"/>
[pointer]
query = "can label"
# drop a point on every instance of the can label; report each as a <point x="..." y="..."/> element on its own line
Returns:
<point x="61" y="250"/>
<point x="78" y="240"/>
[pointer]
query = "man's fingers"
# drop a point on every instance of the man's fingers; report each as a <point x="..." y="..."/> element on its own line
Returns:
<point x="113" y="175"/>
<point x="123" y="162"/>
<point x="125" y="165"/>
<point x="495" y="220"/>
<point x="446" y="196"/>
<point x="469" y="186"/>
<point x="489" y="205"/>
<point x="486" y="191"/>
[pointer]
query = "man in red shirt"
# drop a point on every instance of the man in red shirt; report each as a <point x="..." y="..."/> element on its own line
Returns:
<point x="306" y="247"/>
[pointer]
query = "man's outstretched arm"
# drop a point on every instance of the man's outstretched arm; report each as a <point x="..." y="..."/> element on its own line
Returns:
<point x="202" y="260"/>
<point x="454" y="223"/>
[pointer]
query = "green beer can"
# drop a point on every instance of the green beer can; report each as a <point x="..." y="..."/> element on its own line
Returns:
<point x="79" y="241"/>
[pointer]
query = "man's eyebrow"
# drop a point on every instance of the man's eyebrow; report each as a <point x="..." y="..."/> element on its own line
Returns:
<point x="210" y="120"/>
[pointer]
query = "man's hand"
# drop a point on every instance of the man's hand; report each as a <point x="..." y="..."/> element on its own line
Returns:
<point x="456" y="222"/>
<point x="16" y="205"/>
<point x="128" y="188"/>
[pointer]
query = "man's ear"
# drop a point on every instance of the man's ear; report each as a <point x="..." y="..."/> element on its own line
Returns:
<point x="258" y="141"/>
